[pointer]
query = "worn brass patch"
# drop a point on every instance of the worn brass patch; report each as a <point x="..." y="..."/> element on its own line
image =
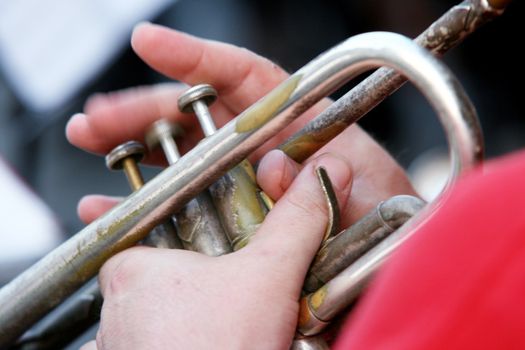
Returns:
<point x="304" y="314"/>
<point x="317" y="299"/>
<point x="266" y="200"/>
<point x="262" y="112"/>
<point x="245" y="204"/>
<point x="308" y="141"/>
<point x="248" y="168"/>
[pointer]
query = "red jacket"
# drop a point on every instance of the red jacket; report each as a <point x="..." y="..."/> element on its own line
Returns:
<point x="460" y="282"/>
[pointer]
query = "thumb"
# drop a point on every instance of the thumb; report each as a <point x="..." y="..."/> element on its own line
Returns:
<point x="292" y="232"/>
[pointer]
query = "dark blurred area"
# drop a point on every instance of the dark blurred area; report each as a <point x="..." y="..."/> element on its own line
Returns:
<point x="290" y="32"/>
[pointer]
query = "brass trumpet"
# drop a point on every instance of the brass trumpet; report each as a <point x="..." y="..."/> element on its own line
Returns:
<point x="34" y="293"/>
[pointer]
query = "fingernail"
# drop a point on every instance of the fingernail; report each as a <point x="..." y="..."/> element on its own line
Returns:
<point x="141" y="24"/>
<point x="271" y="160"/>
<point x="290" y="170"/>
<point x="76" y="124"/>
<point x="269" y="172"/>
<point x="282" y="162"/>
<point x="97" y="197"/>
<point x="75" y="118"/>
<point x="277" y="162"/>
<point x="90" y="197"/>
<point x="338" y="170"/>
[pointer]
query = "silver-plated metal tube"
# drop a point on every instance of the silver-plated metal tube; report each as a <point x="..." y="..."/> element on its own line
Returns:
<point x="444" y="34"/>
<point x="198" y="225"/>
<point x="309" y="343"/>
<point x="163" y="236"/>
<point x="457" y="24"/>
<point x="70" y="319"/>
<point x="346" y="247"/>
<point x="236" y="197"/>
<point x="33" y="293"/>
<point x="205" y="118"/>
<point x="200" y="228"/>
<point x="171" y="152"/>
<point x="82" y="309"/>
<point x="318" y="308"/>
<point x="66" y="322"/>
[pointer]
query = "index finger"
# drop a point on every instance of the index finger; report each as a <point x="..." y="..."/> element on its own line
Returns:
<point x="240" y="76"/>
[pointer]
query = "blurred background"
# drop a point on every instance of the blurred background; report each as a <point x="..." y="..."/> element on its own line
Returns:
<point x="55" y="53"/>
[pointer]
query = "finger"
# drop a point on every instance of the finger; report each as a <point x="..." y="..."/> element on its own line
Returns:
<point x="292" y="231"/>
<point x="109" y="116"/>
<point x="92" y="206"/>
<point x="130" y="267"/>
<point x="121" y="269"/>
<point x="240" y="76"/>
<point x="113" y="118"/>
<point x="121" y="116"/>
<point x="92" y="345"/>
<point x="276" y="172"/>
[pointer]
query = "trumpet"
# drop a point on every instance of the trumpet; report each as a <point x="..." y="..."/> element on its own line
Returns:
<point x="42" y="287"/>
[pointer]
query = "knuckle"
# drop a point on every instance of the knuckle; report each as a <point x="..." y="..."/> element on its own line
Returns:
<point x="123" y="272"/>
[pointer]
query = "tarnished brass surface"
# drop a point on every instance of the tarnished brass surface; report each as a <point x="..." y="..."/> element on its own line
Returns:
<point x="236" y="197"/>
<point x="163" y="236"/>
<point x="198" y="225"/>
<point x="267" y="201"/>
<point x="82" y="309"/>
<point x="259" y="114"/>
<point x="200" y="229"/>
<point x="240" y="204"/>
<point x="340" y="251"/>
<point x="445" y="33"/>
<point x="317" y="298"/>
<point x="126" y="157"/>
<point x="132" y="173"/>
<point x="305" y="143"/>
<point x="45" y="284"/>
<point x="308" y="323"/>
<point x="309" y="343"/>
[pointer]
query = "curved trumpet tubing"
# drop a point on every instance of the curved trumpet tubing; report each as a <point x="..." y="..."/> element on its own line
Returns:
<point x="40" y="288"/>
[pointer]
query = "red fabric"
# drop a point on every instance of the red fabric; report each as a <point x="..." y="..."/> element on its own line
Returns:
<point x="460" y="282"/>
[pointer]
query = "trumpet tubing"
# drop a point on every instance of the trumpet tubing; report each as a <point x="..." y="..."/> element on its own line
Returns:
<point x="198" y="225"/>
<point x="444" y="34"/>
<point x="331" y="284"/>
<point x="27" y="298"/>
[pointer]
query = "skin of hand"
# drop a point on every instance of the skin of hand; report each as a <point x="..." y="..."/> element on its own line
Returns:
<point x="241" y="78"/>
<point x="176" y="299"/>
